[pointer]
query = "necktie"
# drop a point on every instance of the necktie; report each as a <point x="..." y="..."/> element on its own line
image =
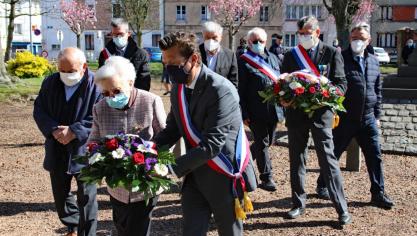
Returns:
<point x="188" y="94"/>
<point x="359" y="59"/>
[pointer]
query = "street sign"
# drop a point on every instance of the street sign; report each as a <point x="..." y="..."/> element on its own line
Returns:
<point x="44" y="54"/>
<point x="37" y="32"/>
<point x="60" y="35"/>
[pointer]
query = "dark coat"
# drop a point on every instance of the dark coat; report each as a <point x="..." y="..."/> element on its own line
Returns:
<point x="139" y="58"/>
<point x="226" y="64"/>
<point x="51" y="110"/>
<point x="278" y="51"/>
<point x="406" y="53"/>
<point x="324" y="55"/>
<point x="251" y="81"/>
<point x="364" y="93"/>
<point x="214" y="110"/>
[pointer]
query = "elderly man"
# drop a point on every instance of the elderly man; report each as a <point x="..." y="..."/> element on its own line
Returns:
<point x="363" y="105"/>
<point x="261" y="117"/>
<point x="315" y="55"/>
<point x="123" y="45"/>
<point x="217" y="58"/>
<point x="205" y="111"/>
<point x="63" y="113"/>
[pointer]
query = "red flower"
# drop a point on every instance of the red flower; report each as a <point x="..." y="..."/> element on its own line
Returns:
<point x="338" y="92"/>
<point x="112" y="144"/>
<point x="138" y="158"/>
<point x="299" y="90"/>
<point x="312" y="89"/>
<point x="92" y="146"/>
<point x="325" y="93"/>
<point x="277" y="88"/>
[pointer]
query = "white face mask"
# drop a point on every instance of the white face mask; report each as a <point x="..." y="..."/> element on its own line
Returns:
<point x="70" y="79"/>
<point x="120" y="41"/>
<point x="307" y="41"/>
<point x="358" y="46"/>
<point x="410" y="44"/>
<point x="211" y="45"/>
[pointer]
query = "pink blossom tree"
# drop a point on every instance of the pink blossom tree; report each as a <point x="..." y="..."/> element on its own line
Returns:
<point x="78" y="17"/>
<point x="232" y="14"/>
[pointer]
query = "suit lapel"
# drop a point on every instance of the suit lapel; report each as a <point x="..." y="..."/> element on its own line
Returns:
<point x="198" y="89"/>
<point x="220" y="56"/>
<point x="318" y="56"/>
<point x="203" y="54"/>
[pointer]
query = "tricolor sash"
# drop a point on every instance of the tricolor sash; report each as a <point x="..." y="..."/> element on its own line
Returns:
<point x="106" y="54"/>
<point x="221" y="163"/>
<point x="303" y="60"/>
<point x="259" y="63"/>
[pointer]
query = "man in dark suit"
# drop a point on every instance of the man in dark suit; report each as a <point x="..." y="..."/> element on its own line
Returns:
<point x="213" y="105"/>
<point x="63" y="113"/>
<point x="217" y="58"/>
<point x="122" y="44"/>
<point x="363" y="105"/>
<point x="276" y="47"/>
<point x="320" y="124"/>
<point x="261" y="117"/>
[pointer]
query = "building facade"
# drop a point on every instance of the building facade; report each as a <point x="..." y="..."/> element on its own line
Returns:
<point x="390" y="16"/>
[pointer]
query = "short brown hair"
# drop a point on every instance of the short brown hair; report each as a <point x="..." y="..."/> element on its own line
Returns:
<point x="185" y="42"/>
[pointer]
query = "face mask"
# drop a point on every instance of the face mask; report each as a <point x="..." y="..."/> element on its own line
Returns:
<point x="358" y="46"/>
<point x="119" y="101"/>
<point x="120" y="42"/>
<point x="307" y="41"/>
<point x="258" y="48"/>
<point x="211" y="45"/>
<point x="410" y="44"/>
<point x="70" y="79"/>
<point x="178" y="74"/>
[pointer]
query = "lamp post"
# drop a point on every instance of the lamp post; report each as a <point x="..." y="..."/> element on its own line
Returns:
<point x="30" y="23"/>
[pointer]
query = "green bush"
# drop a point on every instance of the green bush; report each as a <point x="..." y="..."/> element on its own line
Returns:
<point x="27" y="65"/>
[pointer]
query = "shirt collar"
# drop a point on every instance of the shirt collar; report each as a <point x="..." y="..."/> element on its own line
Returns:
<point x="192" y="85"/>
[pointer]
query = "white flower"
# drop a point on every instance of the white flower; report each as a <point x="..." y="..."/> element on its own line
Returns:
<point x="294" y="85"/>
<point x="141" y="148"/>
<point x="95" y="158"/>
<point x="323" y="80"/>
<point x="161" y="169"/>
<point x="281" y="93"/>
<point x="118" y="153"/>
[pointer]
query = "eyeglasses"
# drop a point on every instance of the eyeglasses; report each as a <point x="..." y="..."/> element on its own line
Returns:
<point x="111" y="93"/>
<point x="304" y="34"/>
<point x="258" y="41"/>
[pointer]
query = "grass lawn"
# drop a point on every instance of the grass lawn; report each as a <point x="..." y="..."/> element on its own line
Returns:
<point x="389" y="69"/>
<point x="23" y="88"/>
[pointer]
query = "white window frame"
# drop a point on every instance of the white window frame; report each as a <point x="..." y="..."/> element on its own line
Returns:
<point x="181" y="13"/>
<point x="264" y="14"/>
<point x="205" y="16"/>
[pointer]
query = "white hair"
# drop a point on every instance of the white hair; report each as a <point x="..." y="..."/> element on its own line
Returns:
<point x="258" y="31"/>
<point x="77" y="53"/>
<point x="212" y="27"/>
<point x="116" y="65"/>
<point x="120" y="22"/>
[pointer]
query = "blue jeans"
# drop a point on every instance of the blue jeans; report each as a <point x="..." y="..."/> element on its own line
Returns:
<point x="367" y="136"/>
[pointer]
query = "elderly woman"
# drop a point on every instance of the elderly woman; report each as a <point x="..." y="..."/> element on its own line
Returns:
<point x="125" y="108"/>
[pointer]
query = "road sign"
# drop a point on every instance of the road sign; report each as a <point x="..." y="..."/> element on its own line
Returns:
<point x="37" y="32"/>
<point x="60" y="35"/>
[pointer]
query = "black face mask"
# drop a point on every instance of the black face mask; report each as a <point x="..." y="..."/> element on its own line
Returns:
<point x="177" y="73"/>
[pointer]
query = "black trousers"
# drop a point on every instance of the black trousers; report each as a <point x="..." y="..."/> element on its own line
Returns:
<point x="133" y="219"/>
<point x="78" y="215"/>
<point x="329" y="165"/>
<point x="367" y="136"/>
<point x="264" y="135"/>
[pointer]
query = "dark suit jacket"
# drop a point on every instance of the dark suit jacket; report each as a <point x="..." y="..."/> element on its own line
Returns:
<point x="226" y="64"/>
<point x="215" y="112"/>
<point x="49" y="113"/>
<point x="324" y="55"/>
<point x="139" y="58"/>
<point x="251" y="81"/>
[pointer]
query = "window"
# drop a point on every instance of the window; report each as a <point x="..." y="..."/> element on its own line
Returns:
<point x="17" y="29"/>
<point x="56" y="47"/>
<point x="117" y="10"/>
<point x="205" y="13"/>
<point x="89" y="41"/>
<point x="316" y="11"/>
<point x="290" y="40"/>
<point x="386" y="13"/>
<point x="92" y="7"/>
<point x="295" y="12"/>
<point x="263" y="14"/>
<point x="181" y="11"/>
<point x="155" y="40"/>
<point x="415" y="14"/>
<point x="386" y="40"/>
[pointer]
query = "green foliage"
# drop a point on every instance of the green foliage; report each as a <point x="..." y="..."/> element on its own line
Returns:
<point x="156" y="69"/>
<point x="27" y="65"/>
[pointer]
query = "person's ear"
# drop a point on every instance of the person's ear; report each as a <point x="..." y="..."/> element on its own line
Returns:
<point x="318" y="32"/>
<point x="129" y="34"/>
<point x="131" y="83"/>
<point x="84" y="68"/>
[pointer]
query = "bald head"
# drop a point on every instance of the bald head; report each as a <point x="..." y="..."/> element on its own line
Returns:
<point x="71" y="60"/>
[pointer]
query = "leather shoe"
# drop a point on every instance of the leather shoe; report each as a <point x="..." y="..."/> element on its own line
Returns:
<point x="269" y="186"/>
<point x="345" y="218"/>
<point x="323" y="193"/>
<point x="382" y="200"/>
<point x="295" y="212"/>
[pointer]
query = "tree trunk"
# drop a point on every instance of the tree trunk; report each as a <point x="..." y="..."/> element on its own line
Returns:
<point x="78" y="41"/>
<point x="343" y="35"/>
<point x="231" y="40"/>
<point x="139" y="38"/>
<point x="4" y="76"/>
<point x="10" y="30"/>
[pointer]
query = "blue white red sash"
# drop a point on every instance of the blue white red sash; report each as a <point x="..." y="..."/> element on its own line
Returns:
<point x="106" y="54"/>
<point x="220" y="163"/>
<point x="303" y="60"/>
<point x="259" y="63"/>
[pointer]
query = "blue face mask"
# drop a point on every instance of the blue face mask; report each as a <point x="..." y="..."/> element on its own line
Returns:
<point x="258" y="48"/>
<point x="119" y="101"/>
<point x="120" y="42"/>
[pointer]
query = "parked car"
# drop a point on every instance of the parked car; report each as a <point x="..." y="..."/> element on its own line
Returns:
<point x="382" y="55"/>
<point x="393" y="56"/>
<point x="154" y="53"/>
